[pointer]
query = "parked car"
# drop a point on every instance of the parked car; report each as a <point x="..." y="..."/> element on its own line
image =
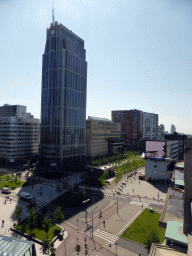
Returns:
<point x="25" y="195"/>
<point x="6" y="190"/>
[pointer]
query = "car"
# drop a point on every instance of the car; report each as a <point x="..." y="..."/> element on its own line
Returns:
<point x="25" y="195"/>
<point x="18" y="173"/>
<point x="150" y="209"/>
<point x="123" y="183"/>
<point x="119" y="193"/>
<point x="6" y="190"/>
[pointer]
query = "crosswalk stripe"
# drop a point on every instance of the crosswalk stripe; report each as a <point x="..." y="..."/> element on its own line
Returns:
<point x="106" y="236"/>
<point x="139" y="203"/>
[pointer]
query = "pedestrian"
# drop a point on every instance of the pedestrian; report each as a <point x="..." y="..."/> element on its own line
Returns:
<point x="142" y="205"/>
<point x="10" y="200"/>
<point x="3" y="223"/>
<point x="5" y="201"/>
<point x="139" y="182"/>
<point x="131" y="181"/>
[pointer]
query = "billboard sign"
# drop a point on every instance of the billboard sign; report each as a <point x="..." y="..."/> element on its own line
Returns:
<point x="156" y="149"/>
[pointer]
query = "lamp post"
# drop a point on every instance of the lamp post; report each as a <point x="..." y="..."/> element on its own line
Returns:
<point x="92" y="218"/>
<point x="117" y="203"/>
<point x="116" y="248"/>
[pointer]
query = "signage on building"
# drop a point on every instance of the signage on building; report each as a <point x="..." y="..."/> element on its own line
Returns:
<point x="155" y="149"/>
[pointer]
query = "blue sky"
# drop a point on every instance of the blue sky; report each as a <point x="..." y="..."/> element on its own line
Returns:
<point x="138" y="53"/>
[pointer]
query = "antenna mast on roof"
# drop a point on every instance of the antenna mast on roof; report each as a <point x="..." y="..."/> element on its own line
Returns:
<point x="53" y="17"/>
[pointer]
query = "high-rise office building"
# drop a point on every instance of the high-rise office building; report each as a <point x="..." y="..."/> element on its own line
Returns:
<point x="131" y="123"/>
<point x="173" y="129"/>
<point x="63" y="99"/>
<point x="19" y="134"/>
<point x="150" y="126"/>
<point x="136" y="124"/>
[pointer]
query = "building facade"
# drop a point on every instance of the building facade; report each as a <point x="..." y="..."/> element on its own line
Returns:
<point x="98" y="131"/>
<point x="150" y="126"/>
<point x="136" y="124"/>
<point x="159" y="169"/>
<point x="187" y="225"/>
<point x="63" y="100"/>
<point x="131" y="123"/>
<point x="161" y="129"/>
<point x="19" y="134"/>
<point x="173" y="129"/>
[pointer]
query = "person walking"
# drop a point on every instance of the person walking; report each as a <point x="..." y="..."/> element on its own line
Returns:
<point x="3" y="223"/>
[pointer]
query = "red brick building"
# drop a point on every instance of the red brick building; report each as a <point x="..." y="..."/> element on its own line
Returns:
<point x="131" y="123"/>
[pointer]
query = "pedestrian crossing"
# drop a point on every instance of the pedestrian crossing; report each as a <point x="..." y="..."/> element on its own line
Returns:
<point x="140" y="203"/>
<point x="108" y="191"/>
<point x="105" y="235"/>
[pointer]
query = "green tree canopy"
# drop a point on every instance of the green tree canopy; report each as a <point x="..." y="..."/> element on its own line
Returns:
<point x="152" y="238"/>
<point x="58" y="215"/>
<point x="46" y="223"/>
<point x="18" y="213"/>
<point x="32" y="218"/>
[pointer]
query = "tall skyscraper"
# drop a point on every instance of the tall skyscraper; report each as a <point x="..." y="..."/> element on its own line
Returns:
<point x="63" y="99"/>
<point x="173" y="129"/>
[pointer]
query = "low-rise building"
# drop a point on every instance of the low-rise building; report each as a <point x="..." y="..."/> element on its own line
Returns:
<point x="98" y="131"/>
<point x="15" y="246"/>
<point x="160" y="169"/>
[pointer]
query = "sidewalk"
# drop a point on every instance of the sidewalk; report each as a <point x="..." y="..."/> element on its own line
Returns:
<point x="6" y="214"/>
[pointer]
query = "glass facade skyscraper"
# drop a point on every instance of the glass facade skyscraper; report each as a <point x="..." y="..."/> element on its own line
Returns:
<point x="63" y="99"/>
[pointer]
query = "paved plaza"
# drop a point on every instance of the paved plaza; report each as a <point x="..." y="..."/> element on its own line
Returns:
<point x="6" y="214"/>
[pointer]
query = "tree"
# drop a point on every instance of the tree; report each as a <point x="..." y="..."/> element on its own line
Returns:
<point x="52" y="249"/>
<point x="32" y="218"/>
<point x="58" y="215"/>
<point x="152" y="238"/>
<point x="18" y="213"/>
<point x="28" y="164"/>
<point x="46" y="223"/>
<point x="19" y="175"/>
<point x="15" y="179"/>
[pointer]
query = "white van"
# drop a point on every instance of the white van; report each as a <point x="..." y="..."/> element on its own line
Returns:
<point x="6" y="190"/>
<point x="25" y="195"/>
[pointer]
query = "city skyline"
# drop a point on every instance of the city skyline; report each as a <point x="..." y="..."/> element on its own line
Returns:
<point x="138" y="55"/>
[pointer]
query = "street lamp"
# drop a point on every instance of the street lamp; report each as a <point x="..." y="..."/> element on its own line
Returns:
<point x="116" y="248"/>
<point x="92" y="218"/>
<point x="117" y="202"/>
